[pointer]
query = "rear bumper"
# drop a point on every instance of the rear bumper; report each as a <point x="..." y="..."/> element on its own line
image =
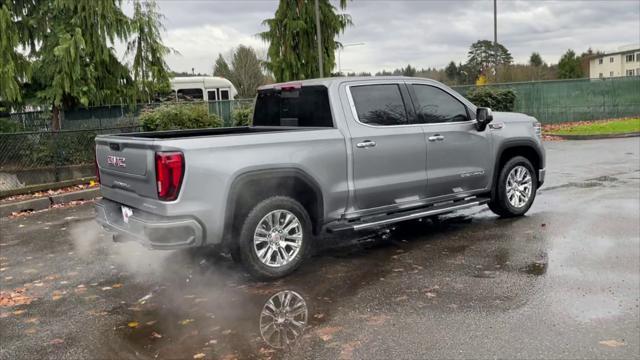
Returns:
<point x="152" y="231"/>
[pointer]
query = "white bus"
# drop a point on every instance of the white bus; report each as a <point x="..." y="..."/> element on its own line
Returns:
<point x="206" y="88"/>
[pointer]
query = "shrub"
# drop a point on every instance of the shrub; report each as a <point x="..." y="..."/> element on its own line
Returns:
<point x="496" y="99"/>
<point x="178" y="116"/>
<point x="242" y="116"/>
<point x="8" y="126"/>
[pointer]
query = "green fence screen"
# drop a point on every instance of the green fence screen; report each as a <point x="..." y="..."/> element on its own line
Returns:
<point x="574" y="100"/>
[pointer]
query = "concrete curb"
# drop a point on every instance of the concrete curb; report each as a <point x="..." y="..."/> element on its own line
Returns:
<point x="45" y="202"/>
<point x="85" y="194"/>
<point x="596" y="137"/>
<point x="31" y="204"/>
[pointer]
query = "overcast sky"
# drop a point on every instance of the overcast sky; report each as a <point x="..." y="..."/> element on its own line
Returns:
<point x="423" y="33"/>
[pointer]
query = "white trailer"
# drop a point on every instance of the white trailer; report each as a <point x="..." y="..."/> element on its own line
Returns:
<point x="206" y="88"/>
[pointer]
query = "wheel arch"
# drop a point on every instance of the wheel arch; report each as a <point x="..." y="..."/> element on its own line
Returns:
<point x="251" y="187"/>
<point x="527" y="148"/>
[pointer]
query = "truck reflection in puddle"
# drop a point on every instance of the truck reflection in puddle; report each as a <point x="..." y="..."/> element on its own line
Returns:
<point x="283" y="319"/>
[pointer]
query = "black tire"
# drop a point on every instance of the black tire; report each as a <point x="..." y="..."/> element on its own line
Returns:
<point x="499" y="203"/>
<point x="248" y="256"/>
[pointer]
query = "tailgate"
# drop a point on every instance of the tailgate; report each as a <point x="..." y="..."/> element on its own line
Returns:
<point x="127" y="164"/>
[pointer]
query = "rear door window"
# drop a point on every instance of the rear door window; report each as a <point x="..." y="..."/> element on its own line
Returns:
<point x="380" y="104"/>
<point x="306" y="106"/>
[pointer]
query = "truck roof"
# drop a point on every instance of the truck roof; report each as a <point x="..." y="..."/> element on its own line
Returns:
<point x="337" y="80"/>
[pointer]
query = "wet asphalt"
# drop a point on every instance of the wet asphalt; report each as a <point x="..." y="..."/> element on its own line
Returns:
<point x="561" y="282"/>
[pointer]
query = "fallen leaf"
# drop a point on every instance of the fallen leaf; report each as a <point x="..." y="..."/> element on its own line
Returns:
<point x="151" y="322"/>
<point x="377" y="320"/>
<point x="15" y="297"/>
<point x="227" y="332"/>
<point x="346" y="351"/>
<point x="401" y="298"/>
<point x="19" y="312"/>
<point x="133" y="324"/>
<point x="56" y="342"/>
<point x="430" y="295"/>
<point x="611" y="343"/>
<point x="318" y="316"/>
<point x="155" y="335"/>
<point x="186" y="321"/>
<point x="116" y="286"/>
<point x="31" y="331"/>
<point x="106" y="288"/>
<point x="327" y="333"/>
<point x="199" y="356"/>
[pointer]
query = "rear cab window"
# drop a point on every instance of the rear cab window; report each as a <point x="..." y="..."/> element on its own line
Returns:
<point x="297" y="106"/>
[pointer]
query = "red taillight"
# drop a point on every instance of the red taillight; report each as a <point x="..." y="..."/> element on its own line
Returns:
<point x="169" y="171"/>
<point x="95" y="162"/>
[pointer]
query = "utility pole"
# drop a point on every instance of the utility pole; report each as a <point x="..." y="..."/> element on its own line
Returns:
<point x="495" y="22"/>
<point x="495" y="38"/>
<point x="319" y="37"/>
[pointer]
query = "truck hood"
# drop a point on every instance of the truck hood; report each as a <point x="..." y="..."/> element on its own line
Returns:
<point x="511" y="117"/>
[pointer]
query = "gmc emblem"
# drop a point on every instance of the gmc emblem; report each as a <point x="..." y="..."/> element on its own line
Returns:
<point x="116" y="161"/>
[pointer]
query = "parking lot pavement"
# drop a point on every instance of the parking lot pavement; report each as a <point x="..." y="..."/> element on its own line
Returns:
<point x="562" y="282"/>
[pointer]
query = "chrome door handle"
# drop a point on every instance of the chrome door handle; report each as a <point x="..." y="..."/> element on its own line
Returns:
<point x="366" y="144"/>
<point x="436" y="137"/>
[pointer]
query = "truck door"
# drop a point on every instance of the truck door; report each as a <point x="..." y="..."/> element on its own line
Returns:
<point x="389" y="153"/>
<point x="458" y="156"/>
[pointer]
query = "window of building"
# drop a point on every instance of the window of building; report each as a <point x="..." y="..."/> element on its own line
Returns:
<point x="600" y="76"/>
<point x="630" y="72"/>
<point x="600" y="61"/>
<point x="610" y="73"/>
<point x="611" y="59"/>
<point x="435" y="105"/>
<point x="638" y="57"/>
<point x="629" y="57"/>
<point x="379" y="104"/>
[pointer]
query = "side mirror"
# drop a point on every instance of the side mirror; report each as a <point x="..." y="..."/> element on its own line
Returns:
<point x="483" y="118"/>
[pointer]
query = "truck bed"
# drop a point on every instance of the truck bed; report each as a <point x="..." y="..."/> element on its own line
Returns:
<point x="241" y="130"/>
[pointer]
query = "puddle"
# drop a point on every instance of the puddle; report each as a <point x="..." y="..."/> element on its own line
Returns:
<point x="604" y="178"/>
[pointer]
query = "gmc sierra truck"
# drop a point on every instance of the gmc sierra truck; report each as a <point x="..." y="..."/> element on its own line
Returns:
<point x="322" y="156"/>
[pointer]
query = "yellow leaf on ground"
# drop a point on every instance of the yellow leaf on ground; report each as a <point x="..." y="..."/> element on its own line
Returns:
<point x="133" y="324"/>
<point x="186" y="321"/>
<point x="199" y="356"/>
<point x="611" y="343"/>
<point x="115" y="286"/>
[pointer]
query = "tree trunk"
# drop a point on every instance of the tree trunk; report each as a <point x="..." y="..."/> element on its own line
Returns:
<point x="55" y="118"/>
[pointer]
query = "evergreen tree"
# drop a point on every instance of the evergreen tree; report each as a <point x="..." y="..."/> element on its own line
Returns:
<point x="292" y="39"/>
<point x="150" y="71"/>
<point x="569" y="66"/>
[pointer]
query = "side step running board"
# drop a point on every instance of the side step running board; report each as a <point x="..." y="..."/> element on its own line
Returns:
<point x="381" y="220"/>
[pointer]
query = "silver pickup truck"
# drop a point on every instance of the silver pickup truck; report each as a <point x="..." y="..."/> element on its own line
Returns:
<point x="325" y="155"/>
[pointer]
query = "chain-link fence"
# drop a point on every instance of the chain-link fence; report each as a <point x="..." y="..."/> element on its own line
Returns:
<point x="40" y="157"/>
<point x="574" y="100"/>
<point x="113" y="116"/>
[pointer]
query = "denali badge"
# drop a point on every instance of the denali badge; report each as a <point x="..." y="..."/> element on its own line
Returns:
<point x="116" y="161"/>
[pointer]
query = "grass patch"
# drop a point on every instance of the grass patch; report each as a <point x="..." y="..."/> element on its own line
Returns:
<point x="620" y="126"/>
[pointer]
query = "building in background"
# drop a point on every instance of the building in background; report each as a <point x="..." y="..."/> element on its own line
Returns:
<point x="624" y="62"/>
